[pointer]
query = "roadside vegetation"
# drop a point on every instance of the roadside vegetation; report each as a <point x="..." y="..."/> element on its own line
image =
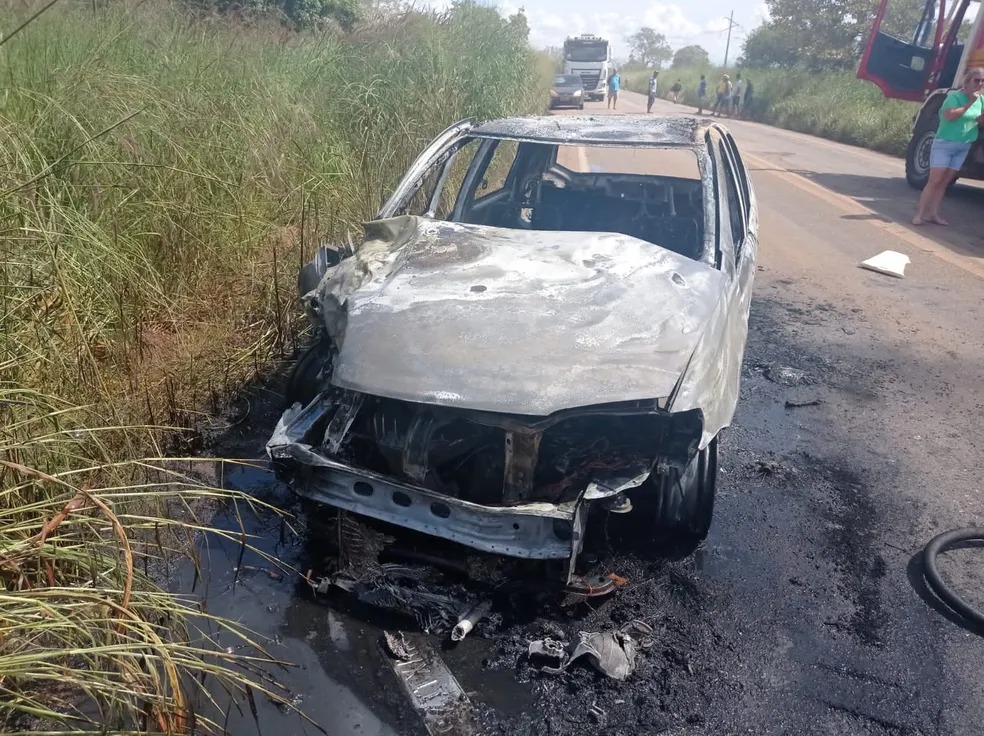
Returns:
<point x="165" y="171"/>
<point x="803" y="62"/>
<point x="833" y="104"/>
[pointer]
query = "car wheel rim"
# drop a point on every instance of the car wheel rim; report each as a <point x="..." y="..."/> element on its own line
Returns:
<point x="921" y="159"/>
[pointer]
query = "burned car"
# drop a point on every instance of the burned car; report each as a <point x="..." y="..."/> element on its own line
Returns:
<point x="547" y="319"/>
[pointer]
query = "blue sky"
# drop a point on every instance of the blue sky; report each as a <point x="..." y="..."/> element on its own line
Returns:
<point x="701" y="22"/>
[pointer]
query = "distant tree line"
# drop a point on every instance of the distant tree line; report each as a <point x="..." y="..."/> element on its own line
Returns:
<point x="344" y="13"/>
<point x="652" y="49"/>
<point x="301" y="13"/>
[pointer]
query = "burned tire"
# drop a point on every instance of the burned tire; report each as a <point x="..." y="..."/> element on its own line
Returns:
<point x="681" y="505"/>
<point x="917" y="158"/>
<point x="303" y="383"/>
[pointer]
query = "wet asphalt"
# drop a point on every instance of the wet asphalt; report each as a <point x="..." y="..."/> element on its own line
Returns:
<point x="856" y="441"/>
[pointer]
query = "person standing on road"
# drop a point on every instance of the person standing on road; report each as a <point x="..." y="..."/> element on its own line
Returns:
<point x="749" y="96"/>
<point x="736" y="96"/>
<point x="701" y="94"/>
<point x="723" y="101"/>
<point x="653" y="91"/>
<point x="614" y="82"/>
<point x="960" y="115"/>
<point x="675" y="91"/>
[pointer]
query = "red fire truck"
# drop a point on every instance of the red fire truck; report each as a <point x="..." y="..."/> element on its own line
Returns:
<point x="920" y="57"/>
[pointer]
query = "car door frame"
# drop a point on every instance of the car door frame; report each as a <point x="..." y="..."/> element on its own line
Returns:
<point x="422" y="166"/>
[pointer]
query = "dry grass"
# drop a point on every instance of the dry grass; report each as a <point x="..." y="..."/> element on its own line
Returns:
<point x="162" y="179"/>
<point x="834" y="105"/>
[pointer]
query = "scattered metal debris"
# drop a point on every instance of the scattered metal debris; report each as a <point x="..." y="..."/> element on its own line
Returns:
<point x="784" y="375"/>
<point x="397" y="646"/>
<point x="771" y="468"/>
<point x="808" y="402"/>
<point x="888" y="262"/>
<point x="613" y="653"/>
<point x="434" y="691"/>
<point x="549" y="649"/>
<point x="411" y="590"/>
<point x="468" y="621"/>
<point x="597" y="713"/>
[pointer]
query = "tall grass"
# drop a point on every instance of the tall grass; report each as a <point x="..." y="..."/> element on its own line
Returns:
<point x="162" y="177"/>
<point x="834" y="105"/>
<point x="88" y="639"/>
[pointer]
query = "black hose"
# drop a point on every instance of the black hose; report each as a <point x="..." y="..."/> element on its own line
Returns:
<point x="937" y="546"/>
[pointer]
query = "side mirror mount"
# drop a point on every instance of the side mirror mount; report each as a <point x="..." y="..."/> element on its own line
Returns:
<point x="326" y="257"/>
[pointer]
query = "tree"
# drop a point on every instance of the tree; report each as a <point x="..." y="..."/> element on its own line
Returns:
<point x="823" y="34"/>
<point x="519" y="24"/>
<point x="769" y="46"/>
<point x="650" y="48"/>
<point x="299" y="12"/>
<point x="691" y="57"/>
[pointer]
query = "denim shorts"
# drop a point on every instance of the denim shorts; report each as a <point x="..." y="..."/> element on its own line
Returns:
<point x="948" y="154"/>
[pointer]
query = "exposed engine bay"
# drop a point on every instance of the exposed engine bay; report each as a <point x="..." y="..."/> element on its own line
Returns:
<point x="493" y="459"/>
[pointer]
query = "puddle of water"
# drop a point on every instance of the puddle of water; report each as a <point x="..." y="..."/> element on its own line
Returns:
<point x="333" y="670"/>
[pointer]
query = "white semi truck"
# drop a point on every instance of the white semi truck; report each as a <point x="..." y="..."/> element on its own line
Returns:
<point x="590" y="58"/>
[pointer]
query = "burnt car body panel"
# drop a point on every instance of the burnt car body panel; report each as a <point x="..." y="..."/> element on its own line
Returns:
<point x="488" y="378"/>
<point x="442" y="313"/>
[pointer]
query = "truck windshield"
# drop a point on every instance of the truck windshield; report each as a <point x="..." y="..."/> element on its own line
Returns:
<point x="587" y="52"/>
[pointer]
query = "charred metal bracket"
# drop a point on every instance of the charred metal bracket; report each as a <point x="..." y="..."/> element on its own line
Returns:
<point x="417" y="444"/>
<point x="522" y="449"/>
<point x="345" y="412"/>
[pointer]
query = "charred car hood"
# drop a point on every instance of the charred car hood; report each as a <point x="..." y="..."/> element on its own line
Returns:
<point x="513" y="321"/>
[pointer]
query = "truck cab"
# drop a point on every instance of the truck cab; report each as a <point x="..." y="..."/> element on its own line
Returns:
<point x="590" y="58"/>
<point x="919" y="51"/>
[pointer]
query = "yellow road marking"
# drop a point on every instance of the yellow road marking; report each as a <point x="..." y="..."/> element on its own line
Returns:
<point x="853" y="207"/>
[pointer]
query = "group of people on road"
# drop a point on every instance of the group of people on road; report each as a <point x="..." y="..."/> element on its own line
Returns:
<point x="731" y="96"/>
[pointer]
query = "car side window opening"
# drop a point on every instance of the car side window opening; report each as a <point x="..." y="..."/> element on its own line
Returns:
<point x="436" y="190"/>
<point x="454" y="172"/>
<point x="418" y="203"/>
<point x="497" y="172"/>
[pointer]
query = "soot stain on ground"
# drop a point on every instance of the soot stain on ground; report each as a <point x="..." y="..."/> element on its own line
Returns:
<point x="851" y="528"/>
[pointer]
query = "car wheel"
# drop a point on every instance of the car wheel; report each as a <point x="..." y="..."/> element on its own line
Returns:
<point x="681" y="505"/>
<point x="917" y="158"/>
<point x="304" y="383"/>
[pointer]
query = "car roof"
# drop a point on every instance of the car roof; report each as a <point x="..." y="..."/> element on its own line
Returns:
<point x="622" y="130"/>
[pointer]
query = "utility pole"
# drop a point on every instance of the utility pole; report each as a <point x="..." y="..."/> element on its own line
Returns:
<point x="727" y="47"/>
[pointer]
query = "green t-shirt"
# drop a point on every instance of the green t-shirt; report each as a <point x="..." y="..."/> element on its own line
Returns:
<point x="964" y="128"/>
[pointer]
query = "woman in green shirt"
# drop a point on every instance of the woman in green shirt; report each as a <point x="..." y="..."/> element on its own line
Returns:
<point x="962" y="110"/>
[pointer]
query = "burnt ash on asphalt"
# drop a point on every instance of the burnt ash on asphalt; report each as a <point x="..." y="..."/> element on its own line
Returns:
<point x="795" y="616"/>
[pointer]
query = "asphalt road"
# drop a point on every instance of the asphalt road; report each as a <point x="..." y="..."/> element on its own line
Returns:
<point x="804" y="613"/>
